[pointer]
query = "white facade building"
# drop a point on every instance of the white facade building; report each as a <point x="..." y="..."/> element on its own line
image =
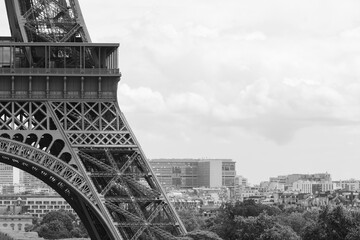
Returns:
<point x="305" y="186"/>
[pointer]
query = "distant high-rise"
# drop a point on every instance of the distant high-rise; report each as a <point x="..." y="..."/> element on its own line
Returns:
<point x="189" y="173"/>
<point x="30" y="181"/>
<point x="6" y="174"/>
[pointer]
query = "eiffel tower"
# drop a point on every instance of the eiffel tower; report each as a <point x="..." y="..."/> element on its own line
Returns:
<point x="60" y="121"/>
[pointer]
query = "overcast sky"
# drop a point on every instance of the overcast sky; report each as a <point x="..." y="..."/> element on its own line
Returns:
<point x="273" y="85"/>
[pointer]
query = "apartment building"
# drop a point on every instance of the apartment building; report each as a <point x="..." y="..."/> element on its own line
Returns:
<point x="35" y="205"/>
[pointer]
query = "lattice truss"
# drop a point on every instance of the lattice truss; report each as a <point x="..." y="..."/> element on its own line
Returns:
<point x="130" y="193"/>
<point x="108" y="162"/>
<point x="25" y="116"/>
<point x="93" y="124"/>
<point x="28" y="131"/>
<point x="52" y="170"/>
<point x="51" y="20"/>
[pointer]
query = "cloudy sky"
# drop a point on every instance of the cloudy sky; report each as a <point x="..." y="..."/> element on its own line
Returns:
<point x="273" y="85"/>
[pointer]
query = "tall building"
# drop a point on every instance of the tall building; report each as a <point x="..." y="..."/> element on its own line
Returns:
<point x="189" y="173"/>
<point x="240" y="185"/>
<point x="6" y="174"/>
<point x="30" y="182"/>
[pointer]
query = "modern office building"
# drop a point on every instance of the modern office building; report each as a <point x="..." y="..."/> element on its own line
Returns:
<point x="6" y="174"/>
<point x="30" y="182"/>
<point x="190" y="173"/>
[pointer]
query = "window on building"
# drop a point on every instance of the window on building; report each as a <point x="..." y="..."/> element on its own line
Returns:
<point x="176" y="181"/>
<point x="176" y="170"/>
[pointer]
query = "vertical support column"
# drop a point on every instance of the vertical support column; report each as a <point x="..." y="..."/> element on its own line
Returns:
<point x="47" y="87"/>
<point x="30" y="87"/>
<point x="82" y="87"/>
<point x="14" y="58"/>
<point x="99" y="87"/>
<point x="116" y="59"/>
<point x="46" y="62"/>
<point x="65" y="88"/>
<point x="12" y="86"/>
<point x="80" y="58"/>
<point x="11" y="58"/>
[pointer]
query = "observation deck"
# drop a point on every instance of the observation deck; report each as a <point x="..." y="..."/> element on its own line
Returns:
<point x="51" y="70"/>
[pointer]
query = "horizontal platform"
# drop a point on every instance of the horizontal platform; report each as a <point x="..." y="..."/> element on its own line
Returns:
<point x="59" y="44"/>
<point x="59" y="72"/>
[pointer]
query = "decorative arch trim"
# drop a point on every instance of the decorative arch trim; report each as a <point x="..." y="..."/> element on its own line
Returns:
<point x="60" y="176"/>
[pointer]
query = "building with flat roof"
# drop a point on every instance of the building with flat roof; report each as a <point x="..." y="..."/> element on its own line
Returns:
<point x="190" y="173"/>
<point x="6" y="174"/>
<point x="31" y="182"/>
<point x="15" y="222"/>
<point x="34" y="205"/>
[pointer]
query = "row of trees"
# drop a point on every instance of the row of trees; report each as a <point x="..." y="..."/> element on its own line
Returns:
<point x="249" y="220"/>
<point x="58" y="225"/>
<point x="240" y="220"/>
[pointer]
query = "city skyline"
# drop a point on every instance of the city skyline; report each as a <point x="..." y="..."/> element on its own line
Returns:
<point x="272" y="85"/>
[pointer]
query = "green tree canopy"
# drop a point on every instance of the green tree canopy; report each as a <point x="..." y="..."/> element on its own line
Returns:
<point x="232" y="218"/>
<point x="63" y="216"/>
<point x="279" y="232"/>
<point x="191" y="220"/>
<point x="203" y="235"/>
<point x="53" y="230"/>
<point x="59" y="224"/>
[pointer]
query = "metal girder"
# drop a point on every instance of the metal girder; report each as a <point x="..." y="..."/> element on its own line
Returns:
<point x="100" y="164"/>
<point x="60" y="121"/>
<point x="141" y="188"/>
<point x="50" y="20"/>
<point x="135" y="218"/>
<point x="129" y="200"/>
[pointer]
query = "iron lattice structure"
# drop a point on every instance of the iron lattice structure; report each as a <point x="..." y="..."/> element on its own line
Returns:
<point x="60" y="121"/>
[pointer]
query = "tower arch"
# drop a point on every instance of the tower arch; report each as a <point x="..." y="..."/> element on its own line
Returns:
<point x="61" y="122"/>
<point x="63" y="178"/>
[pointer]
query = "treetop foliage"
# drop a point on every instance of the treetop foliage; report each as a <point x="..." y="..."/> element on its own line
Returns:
<point x="249" y="220"/>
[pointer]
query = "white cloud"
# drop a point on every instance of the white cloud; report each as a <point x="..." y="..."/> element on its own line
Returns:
<point x="253" y="36"/>
<point x="190" y="102"/>
<point x="140" y="99"/>
<point x="351" y="33"/>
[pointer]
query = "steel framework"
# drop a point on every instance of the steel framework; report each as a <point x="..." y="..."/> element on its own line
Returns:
<point x="60" y="121"/>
